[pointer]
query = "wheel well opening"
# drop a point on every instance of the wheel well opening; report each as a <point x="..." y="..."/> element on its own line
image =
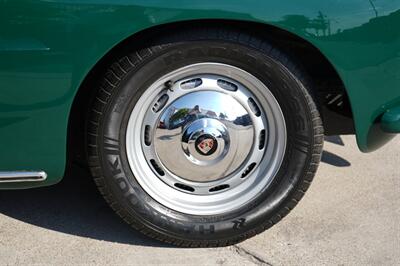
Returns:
<point x="327" y="85"/>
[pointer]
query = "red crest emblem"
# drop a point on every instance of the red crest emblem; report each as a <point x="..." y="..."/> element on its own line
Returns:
<point x="206" y="145"/>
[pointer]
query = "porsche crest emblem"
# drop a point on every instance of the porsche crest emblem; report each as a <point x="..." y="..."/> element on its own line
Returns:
<point x="206" y="145"/>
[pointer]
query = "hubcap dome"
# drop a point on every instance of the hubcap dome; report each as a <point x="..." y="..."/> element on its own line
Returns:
<point x="204" y="136"/>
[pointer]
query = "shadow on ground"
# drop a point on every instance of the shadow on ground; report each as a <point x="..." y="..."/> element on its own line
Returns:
<point x="335" y="140"/>
<point x="73" y="206"/>
<point x="331" y="158"/>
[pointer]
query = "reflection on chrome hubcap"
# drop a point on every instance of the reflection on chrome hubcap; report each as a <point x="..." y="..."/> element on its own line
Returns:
<point x="203" y="136"/>
<point x="208" y="142"/>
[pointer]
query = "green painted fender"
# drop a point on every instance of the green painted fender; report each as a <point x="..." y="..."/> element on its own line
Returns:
<point x="48" y="47"/>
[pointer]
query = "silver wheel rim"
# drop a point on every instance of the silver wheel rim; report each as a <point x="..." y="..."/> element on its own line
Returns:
<point x="206" y="139"/>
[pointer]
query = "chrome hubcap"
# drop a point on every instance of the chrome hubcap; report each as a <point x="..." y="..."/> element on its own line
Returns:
<point x="204" y="135"/>
<point x="206" y="139"/>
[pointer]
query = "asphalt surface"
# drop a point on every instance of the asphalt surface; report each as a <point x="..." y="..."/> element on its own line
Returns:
<point x="349" y="216"/>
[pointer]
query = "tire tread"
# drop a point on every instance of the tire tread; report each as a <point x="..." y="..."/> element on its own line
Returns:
<point x="119" y="69"/>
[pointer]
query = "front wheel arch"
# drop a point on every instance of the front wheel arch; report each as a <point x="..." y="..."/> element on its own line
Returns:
<point x="336" y="115"/>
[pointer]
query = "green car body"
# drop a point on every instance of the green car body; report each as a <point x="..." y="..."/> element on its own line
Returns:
<point x="47" y="48"/>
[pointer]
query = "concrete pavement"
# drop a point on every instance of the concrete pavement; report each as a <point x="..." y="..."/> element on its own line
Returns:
<point x="349" y="216"/>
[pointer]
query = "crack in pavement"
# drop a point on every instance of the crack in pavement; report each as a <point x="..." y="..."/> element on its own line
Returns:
<point x="249" y="255"/>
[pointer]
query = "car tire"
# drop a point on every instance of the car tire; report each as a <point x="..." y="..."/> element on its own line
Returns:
<point x="280" y="93"/>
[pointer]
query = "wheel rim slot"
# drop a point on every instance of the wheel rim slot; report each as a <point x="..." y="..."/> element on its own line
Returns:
<point x="261" y="143"/>
<point x="157" y="167"/>
<point x="226" y="85"/>
<point x="254" y="107"/>
<point x="184" y="187"/>
<point x="160" y="103"/>
<point x="147" y="135"/>
<point x="248" y="170"/>
<point x="219" y="188"/>
<point x="191" y="84"/>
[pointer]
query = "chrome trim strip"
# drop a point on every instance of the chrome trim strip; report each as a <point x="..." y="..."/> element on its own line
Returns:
<point x="22" y="176"/>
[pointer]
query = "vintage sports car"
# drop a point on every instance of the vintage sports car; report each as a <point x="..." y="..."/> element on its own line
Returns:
<point x="202" y="122"/>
